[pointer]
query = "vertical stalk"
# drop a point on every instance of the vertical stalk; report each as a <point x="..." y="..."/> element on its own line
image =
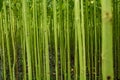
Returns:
<point x="76" y="55"/>
<point x="61" y="32"/>
<point x="27" y="37"/>
<point x="82" y="55"/>
<point x="64" y="55"/>
<point x="3" y="48"/>
<point x="7" y="42"/>
<point x="55" y="38"/>
<point x="96" y="46"/>
<point x="46" y="40"/>
<point x="87" y="40"/>
<point x="107" y="46"/>
<point x="81" y="38"/>
<point x="23" y="55"/>
<point x="35" y="37"/>
<point x="68" y="40"/>
<point x="11" y="25"/>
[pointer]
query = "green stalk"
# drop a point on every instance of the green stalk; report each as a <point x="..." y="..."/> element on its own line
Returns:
<point x="64" y="53"/>
<point x="11" y="24"/>
<point x="35" y="36"/>
<point x="77" y="27"/>
<point x="55" y="37"/>
<point x="23" y="55"/>
<point x="68" y="41"/>
<point x="81" y="42"/>
<point x="61" y="32"/>
<point x="43" y="55"/>
<point x="3" y="49"/>
<point x="40" y="48"/>
<point x="87" y="28"/>
<point x="7" y="42"/>
<point x="27" y="37"/>
<point x="76" y="54"/>
<point x="99" y="45"/>
<point x="47" y="67"/>
<point x="95" y="25"/>
<point x="107" y="46"/>
<point x="115" y="10"/>
<point x="81" y="38"/>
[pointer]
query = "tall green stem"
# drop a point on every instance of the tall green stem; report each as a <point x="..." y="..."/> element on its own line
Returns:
<point x="107" y="45"/>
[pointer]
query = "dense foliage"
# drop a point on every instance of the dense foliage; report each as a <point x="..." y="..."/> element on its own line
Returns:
<point x="59" y="40"/>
